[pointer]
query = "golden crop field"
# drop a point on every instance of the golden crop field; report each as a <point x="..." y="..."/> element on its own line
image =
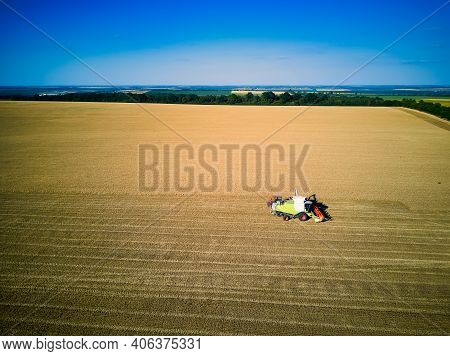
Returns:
<point x="442" y="101"/>
<point x="84" y="252"/>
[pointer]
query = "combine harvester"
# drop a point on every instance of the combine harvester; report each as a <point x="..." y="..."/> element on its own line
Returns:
<point x="298" y="207"/>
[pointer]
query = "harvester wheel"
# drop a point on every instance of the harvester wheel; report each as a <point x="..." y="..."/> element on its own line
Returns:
<point x="285" y="218"/>
<point x="303" y="216"/>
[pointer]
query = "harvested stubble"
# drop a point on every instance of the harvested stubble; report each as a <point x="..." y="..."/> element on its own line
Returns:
<point x="84" y="253"/>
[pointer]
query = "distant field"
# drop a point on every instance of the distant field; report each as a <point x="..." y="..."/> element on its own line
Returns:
<point x="195" y="92"/>
<point x="442" y="100"/>
<point x="254" y="92"/>
<point x="83" y="252"/>
<point x="445" y="102"/>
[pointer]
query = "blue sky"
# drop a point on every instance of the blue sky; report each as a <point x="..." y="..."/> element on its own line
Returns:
<point x="224" y="42"/>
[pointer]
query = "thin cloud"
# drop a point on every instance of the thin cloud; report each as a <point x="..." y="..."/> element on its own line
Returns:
<point x="240" y="62"/>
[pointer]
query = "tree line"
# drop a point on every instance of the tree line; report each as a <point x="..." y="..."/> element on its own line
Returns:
<point x="266" y="98"/>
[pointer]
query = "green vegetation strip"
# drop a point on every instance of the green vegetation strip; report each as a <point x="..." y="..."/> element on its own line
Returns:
<point x="266" y="98"/>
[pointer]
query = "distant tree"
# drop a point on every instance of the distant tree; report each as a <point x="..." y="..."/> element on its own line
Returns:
<point x="249" y="97"/>
<point x="310" y="98"/>
<point x="285" y="97"/>
<point x="296" y="96"/>
<point x="268" y="96"/>
<point x="234" y="99"/>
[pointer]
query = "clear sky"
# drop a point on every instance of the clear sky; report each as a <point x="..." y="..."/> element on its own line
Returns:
<point x="224" y="42"/>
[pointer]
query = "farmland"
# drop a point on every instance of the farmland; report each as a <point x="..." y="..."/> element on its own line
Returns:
<point x="84" y="252"/>
<point x="443" y="100"/>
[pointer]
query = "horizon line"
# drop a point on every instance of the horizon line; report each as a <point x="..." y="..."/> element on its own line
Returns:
<point x="226" y="85"/>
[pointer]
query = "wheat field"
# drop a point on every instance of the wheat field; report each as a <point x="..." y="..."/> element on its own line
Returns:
<point x="85" y="252"/>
